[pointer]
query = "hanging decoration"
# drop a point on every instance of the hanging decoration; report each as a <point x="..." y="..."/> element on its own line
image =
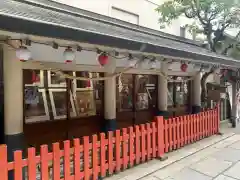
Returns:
<point x="131" y="61"/>
<point x="69" y="55"/>
<point x="103" y="59"/>
<point x="23" y="54"/>
<point x="184" y="67"/>
<point x="202" y="69"/>
<point x="152" y="64"/>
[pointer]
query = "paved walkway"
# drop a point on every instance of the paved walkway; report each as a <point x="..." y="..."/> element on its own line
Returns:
<point x="219" y="162"/>
<point x="214" y="158"/>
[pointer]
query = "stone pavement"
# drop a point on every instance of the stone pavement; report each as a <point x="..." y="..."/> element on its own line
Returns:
<point x="213" y="158"/>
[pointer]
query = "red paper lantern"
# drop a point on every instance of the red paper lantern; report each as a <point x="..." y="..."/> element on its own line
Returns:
<point x="68" y="61"/>
<point x="103" y="59"/>
<point x="184" y="67"/>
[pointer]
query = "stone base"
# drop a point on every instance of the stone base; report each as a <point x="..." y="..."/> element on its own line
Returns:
<point x="196" y="109"/>
<point x="110" y="125"/>
<point x="14" y="142"/>
<point x="233" y="122"/>
<point x="220" y="134"/>
<point x="163" y="158"/>
<point x="162" y="113"/>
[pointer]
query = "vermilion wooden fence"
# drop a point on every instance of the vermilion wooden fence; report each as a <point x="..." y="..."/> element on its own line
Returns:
<point x="104" y="155"/>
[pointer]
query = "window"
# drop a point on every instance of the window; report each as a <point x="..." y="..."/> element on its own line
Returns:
<point x="46" y="96"/>
<point x="181" y="92"/>
<point x="35" y="103"/>
<point x="178" y="91"/>
<point x="87" y="95"/>
<point x="125" y="92"/>
<point x="124" y="15"/>
<point x="136" y="92"/>
<point x="58" y="99"/>
<point x="146" y="92"/>
<point x="36" y="108"/>
<point x="98" y="92"/>
<point x="54" y="80"/>
<point x="83" y="84"/>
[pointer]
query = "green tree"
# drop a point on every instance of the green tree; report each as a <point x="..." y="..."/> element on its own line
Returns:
<point x="210" y="18"/>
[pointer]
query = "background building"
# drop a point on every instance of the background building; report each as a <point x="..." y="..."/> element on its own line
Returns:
<point x="140" y="12"/>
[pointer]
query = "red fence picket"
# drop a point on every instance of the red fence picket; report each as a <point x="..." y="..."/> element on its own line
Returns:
<point x="105" y="155"/>
<point x="166" y="136"/>
<point x="132" y="156"/>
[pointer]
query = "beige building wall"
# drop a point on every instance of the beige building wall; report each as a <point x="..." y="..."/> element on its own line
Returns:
<point x="13" y="92"/>
<point x="141" y="12"/>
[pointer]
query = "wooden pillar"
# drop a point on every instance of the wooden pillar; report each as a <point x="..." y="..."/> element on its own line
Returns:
<point x="1" y="97"/>
<point x="13" y="103"/>
<point x="110" y="103"/>
<point x="234" y="105"/>
<point x="196" y="103"/>
<point x="163" y="92"/>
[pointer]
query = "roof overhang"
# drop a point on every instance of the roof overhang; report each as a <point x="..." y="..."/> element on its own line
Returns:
<point x="30" y="18"/>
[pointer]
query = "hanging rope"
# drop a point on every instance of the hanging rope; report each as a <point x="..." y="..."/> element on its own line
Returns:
<point x="116" y="74"/>
<point x="62" y="74"/>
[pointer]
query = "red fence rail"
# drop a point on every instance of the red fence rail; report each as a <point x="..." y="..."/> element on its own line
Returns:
<point x="104" y="155"/>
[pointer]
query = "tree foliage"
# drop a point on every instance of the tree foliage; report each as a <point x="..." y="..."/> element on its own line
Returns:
<point x="211" y="18"/>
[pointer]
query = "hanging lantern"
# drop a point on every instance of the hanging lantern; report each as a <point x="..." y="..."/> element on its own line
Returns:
<point x="69" y="55"/>
<point x="184" y="67"/>
<point x="23" y="54"/>
<point x="103" y="59"/>
<point x="152" y="64"/>
<point x="132" y="62"/>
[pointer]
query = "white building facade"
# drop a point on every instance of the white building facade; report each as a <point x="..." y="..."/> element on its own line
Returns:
<point x="139" y="12"/>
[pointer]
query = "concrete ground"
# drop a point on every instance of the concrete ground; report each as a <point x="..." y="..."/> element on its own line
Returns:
<point x="213" y="158"/>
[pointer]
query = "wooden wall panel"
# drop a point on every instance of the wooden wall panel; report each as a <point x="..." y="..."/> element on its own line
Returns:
<point x="59" y="130"/>
<point x="85" y="126"/>
<point x="124" y="119"/>
<point x="143" y="117"/>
